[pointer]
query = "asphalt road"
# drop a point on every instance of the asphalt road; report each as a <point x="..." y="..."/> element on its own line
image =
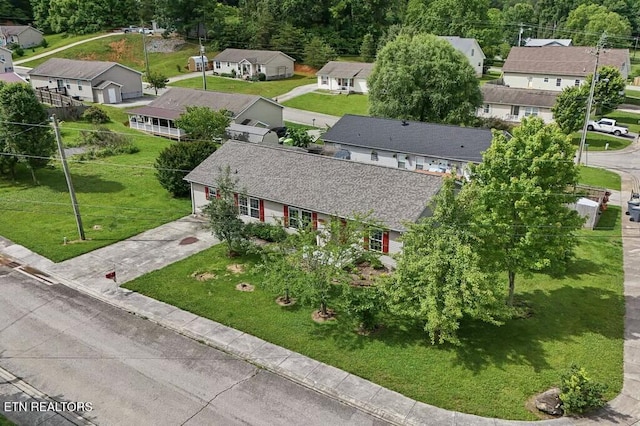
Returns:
<point x="76" y="349"/>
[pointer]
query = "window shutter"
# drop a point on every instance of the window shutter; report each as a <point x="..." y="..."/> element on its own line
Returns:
<point x="261" y="210"/>
<point x="285" y="215"/>
<point x="235" y="199"/>
<point x="217" y="194"/>
<point x="206" y="192"/>
<point x="385" y="242"/>
<point x="314" y="219"/>
<point x="365" y="242"/>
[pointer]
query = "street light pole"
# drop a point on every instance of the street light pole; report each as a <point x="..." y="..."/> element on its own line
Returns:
<point x="583" y="138"/>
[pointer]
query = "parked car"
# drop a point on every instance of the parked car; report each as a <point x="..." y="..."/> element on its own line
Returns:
<point x="607" y="125"/>
<point x="145" y="31"/>
<point x="130" y="29"/>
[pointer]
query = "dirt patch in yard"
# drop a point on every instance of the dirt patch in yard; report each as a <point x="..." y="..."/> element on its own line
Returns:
<point x="204" y="276"/>
<point x="245" y="287"/>
<point x="365" y="275"/>
<point x="318" y="316"/>
<point x="236" y="268"/>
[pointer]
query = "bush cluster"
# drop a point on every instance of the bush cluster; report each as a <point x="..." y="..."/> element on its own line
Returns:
<point x="96" y="115"/>
<point x="579" y="393"/>
<point x="176" y="160"/>
<point x="104" y="143"/>
<point x="266" y="231"/>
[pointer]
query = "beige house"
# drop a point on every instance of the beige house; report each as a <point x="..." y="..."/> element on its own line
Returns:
<point x="344" y="76"/>
<point x="6" y="61"/>
<point x="93" y="81"/>
<point x="246" y="110"/>
<point x="511" y="104"/>
<point x="247" y="63"/>
<point x="23" y="35"/>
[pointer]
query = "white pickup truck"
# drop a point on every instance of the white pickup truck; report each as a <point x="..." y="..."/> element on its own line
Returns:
<point x="607" y="125"/>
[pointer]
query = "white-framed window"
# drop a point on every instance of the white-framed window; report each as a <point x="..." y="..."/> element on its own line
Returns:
<point x="402" y="161"/>
<point x="299" y="218"/>
<point x="486" y="108"/>
<point x="531" y="111"/>
<point x="249" y="206"/>
<point x="227" y="64"/>
<point x="239" y="67"/>
<point x="259" y="68"/>
<point x="576" y="83"/>
<point x="419" y="163"/>
<point x="546" y="79"/>
<point x="515" y="110"/>
<point x="558" y="82"/>
<point x="375" y="240"/>
<point x="324" y="80"/>
<point x="79" y="85"/>
<point x="217" y="65"/>
<point x="374" y="156"/>
<point x="209" y="192"/>
<point x="472" y="51"/>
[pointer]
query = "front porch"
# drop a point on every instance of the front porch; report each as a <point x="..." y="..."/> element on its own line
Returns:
<point x="156" y="126"/>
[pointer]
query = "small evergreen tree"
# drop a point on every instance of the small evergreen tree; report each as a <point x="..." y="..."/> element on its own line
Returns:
<point x="368" y="48"/>
<point x="317" y="53"/>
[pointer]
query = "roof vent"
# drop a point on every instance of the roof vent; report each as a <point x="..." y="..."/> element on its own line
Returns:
<point x="405" y="123"/>
<point x="461" y="146"/>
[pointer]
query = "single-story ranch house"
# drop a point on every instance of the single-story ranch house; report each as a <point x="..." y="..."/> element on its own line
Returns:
<point x="248" y="110"/>
<point x="93" y="81"/>
<point x="410" y="145"/>
<point x="23" y="35"/>
<point x="344" y="76"/>
<point x="246" y="63"/>
<point x="6" y="60"/>
<point x="513" y="104"/>
<point x="293" y="187"/>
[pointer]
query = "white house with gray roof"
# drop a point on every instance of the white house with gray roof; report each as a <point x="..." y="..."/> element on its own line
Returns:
<point x="6" y="61"/>
<point x="541" y="42"/>
<point x="470" y="48"/>
<point x="247" y="110"/>
<point x="410" y="145"/>
<point x="344" y="76"/>
<point x="23" y="35"/>
<point x="513" y="104"/>
<point x="292" y="187"/>
<point x="245" y="63"/>
<point x="93" y="81"/>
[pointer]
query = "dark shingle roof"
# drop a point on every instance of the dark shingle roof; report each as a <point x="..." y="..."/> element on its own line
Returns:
<point x="74" y="69"/>
<point x="433" y="140"/>
<point x="253" y="56"/>
<point x="175" y="101"/>
<point x="346" y="69"/>
<point x="322" y="184"/>
<point x="562" y="60"/>
<point x="496" y="94"/>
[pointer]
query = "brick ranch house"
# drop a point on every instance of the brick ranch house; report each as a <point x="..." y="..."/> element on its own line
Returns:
<point x="293" y="187"/>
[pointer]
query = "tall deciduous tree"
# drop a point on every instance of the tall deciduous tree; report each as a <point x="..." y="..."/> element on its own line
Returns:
<point x="223" y="213"/>
<point x="587" y="22"/>
<point x="23" y="124"/>
<point x="317" y="53"/>
<point x="368" y="48"/>
<point x="178" y="159"/>
<point x="440" y="277"/>
<point x="156" y="80"/>
<point x="203" y="123"/>
<point x="570" y="108"/>
<point x="423" y="78"/>
<point x="523" y="188"/>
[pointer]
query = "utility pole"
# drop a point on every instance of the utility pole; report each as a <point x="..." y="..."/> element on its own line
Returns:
<point x="146" y="55"/>
<point x="204" y="75"/>
<point x="520" y="35"/>
<point x="67" y="175"/>
<point x="635" y="47"/>
<point x="583" y="139"/>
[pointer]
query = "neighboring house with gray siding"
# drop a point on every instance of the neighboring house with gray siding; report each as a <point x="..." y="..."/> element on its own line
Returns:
<point x="93" y="81"/>
<point x="247" y="110"/>
<point x="345" y="76"/>
<point x="23" y="35"/>
<point x="6" y="61"/>
<point x="470" y="48"/>
<point x="511" y="104"/>
<point x="246" y="63"/>
<point x="541" y="42"/>
<point x="410" y="145"/>
<point x="271" y="176"/>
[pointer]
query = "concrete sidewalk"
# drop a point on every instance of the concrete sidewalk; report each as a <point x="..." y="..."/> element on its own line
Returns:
<point x="167" y="244"/>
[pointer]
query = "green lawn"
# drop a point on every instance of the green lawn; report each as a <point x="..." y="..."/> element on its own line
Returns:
<point x="128" y="50"/>
<point x="598" y="141"/>
<point x="331" y="104"/>
<point x="268" y="89"/>
<point x="491" y="75"/>
<point x="594" y="176"/>
<point x="5" y="422"/>
<point x="55" y="41"/>
<point x="629" y="119"/>
<point x="576" y="317"/>
<point x="299" y="126"/>
<point x="118" y="196"/>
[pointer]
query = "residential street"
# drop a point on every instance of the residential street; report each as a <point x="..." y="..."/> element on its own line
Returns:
<point x="77" y="349"/>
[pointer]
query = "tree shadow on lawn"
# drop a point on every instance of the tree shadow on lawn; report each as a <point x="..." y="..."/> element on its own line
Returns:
<point x="56" y="181"/>
<point x="560" y="315"/>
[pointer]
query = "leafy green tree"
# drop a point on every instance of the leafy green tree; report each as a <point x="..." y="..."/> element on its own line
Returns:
<point x="157" y="80"/>
<point x="440" y="277"/>
<point x="203" y="123"/>
<point x="177" y="160"/>
<point x="587" y="22"/>
<point x="317" y="53"/>
<point x="182" y="15"/>
<point x="21" y="123"/>
<point x="290" y="40"/>
<point x="571" y="105"/>
<point x="368" y="48"/>
<point x="423" y="78"/>
<point x="83" y="17"/>
<point x="299" y="137"/>
<point x="523" y="189"/>
<point x="519" y="13"/>
<point x="447" y="17"/>
<point x="224" y="216"/>
<point x="570" y="109"/>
